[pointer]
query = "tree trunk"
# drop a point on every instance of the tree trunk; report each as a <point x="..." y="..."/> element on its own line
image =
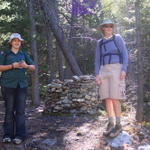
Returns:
<point x="68" y="72"/>
<point x="60" y="62"/>
<point x="35" y="77"/>
<point x="51" y="18"/>
<point x="139" y="113"/>
<point x="131" y="38"/>
<point x="49" y="52"/>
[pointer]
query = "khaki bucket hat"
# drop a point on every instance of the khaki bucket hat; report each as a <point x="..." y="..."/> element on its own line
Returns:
<point x="106" y="21"/>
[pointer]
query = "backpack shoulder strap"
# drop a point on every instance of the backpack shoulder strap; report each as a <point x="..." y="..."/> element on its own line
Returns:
<point x="100" y="42"/>
<point x="119" y="51"/>
<point x="4" y="54"/>
<point x="100" y="49"/>
<point x="115" y="42"/>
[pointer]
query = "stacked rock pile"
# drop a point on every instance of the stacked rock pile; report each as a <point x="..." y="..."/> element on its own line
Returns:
<point x="75" y="96"/>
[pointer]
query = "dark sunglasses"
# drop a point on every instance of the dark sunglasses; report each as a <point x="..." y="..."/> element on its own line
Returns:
<point x="108" y="26"/>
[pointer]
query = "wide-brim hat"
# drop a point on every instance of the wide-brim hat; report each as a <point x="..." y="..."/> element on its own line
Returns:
<point x="15" y="36"/>
<point x="106" y="21"/>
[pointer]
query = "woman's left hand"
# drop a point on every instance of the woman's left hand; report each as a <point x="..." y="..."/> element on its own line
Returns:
<point x="122" y="75"/>
<point x="23" y="64"/>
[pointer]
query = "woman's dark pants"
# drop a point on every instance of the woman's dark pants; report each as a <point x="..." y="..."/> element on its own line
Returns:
<point x="14" y="123"/>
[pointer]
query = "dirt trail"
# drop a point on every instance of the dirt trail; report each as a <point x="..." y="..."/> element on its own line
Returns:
<point x="73" y="132"/>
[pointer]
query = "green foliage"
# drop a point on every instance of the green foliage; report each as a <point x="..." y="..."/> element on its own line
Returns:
<point x="14" y="18"/>
<point x="43" y="91"/>
<point x="146" y="124"/>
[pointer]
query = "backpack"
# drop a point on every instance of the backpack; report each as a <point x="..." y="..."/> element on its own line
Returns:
<point x="101" y="43"/>
<point x="5" y="54"/>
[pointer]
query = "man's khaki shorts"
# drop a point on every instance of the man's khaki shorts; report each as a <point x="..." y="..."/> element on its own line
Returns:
<point x="112" y="86"/>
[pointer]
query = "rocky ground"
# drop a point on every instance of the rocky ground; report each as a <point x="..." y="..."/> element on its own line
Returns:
<point x="78" y="132"/>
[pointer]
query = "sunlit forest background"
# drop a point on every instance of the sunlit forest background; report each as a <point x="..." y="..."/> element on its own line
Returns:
<point x="61" y="36"/>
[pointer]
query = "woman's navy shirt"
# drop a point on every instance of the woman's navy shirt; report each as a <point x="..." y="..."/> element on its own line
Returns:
<point x="11" y="78"/>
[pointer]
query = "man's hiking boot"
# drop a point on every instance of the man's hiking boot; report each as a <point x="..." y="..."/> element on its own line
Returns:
<point x="116" y="131"/>
<point x="108" y="129"/>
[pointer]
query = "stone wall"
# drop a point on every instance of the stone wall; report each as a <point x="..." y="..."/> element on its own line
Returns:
<point x="78" y="95"/>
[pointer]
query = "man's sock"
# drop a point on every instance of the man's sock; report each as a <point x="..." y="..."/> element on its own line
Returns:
<point x="118" y="120"/>
<point x="111" y="120"/>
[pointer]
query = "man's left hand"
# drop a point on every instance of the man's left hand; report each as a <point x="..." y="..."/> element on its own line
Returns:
<point x="122" y="75"/>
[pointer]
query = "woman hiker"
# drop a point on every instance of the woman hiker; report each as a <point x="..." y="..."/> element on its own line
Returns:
<point x="111" y="62"/>
<point x="13" y="64"/>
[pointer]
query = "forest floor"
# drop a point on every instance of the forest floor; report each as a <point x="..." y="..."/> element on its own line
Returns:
<point x="73" y="132"/>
